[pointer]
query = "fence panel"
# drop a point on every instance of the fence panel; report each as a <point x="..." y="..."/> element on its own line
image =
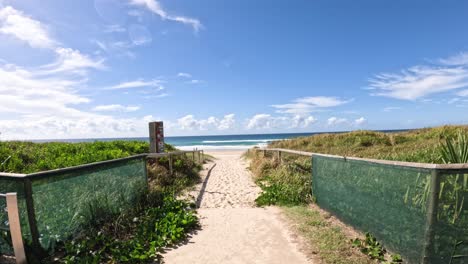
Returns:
<point x="388" y="201"/>
<point x="65" y="202"/>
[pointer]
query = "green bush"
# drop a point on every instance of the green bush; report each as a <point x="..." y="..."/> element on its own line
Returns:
<point x="28" y="157"/>
<point x="138" y="236"/>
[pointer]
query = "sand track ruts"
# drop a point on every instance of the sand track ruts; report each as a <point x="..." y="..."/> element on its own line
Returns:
<point x="233" y="229"/>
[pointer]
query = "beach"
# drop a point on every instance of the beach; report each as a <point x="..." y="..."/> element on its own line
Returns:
<point x="233" y="229"/>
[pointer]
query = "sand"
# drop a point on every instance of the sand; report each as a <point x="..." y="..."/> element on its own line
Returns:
<point x="233" y="229"/>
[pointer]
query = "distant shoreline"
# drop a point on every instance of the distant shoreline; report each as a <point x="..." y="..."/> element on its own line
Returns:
<point x="215" y="142"/>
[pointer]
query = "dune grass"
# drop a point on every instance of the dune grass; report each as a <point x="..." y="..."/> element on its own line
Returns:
<point x="421" y="145"/>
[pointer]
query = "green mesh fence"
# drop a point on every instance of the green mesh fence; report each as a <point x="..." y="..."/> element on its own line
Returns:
<point x="66" y="201"/>
<point x="449" y="242"/>
<point x="393" y="203"/>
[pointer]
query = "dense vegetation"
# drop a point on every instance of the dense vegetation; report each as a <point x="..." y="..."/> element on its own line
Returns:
<point x="156" y="218"/>
<point x="420" y="145"/>
<point x="288" y="182"/>
<point x="27" y="157"/>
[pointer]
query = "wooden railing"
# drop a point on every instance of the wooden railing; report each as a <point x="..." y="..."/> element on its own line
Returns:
<point x="15" y="226"/>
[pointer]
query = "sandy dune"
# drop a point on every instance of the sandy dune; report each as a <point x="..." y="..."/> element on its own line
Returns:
<point x="233" y="229"/>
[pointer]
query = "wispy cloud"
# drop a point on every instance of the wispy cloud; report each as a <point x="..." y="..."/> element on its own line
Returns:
<point x="156" y="8"/>
<point x="463" y="93"/>
<point x="309" y="104"/>
<point x="15" y="23"/>
<point x="115" y="107"/>
<point x="140" y="83"/>
<point x="69" y="60"/>
<point x="423" y="80"/>
<point x="184" y="75"/>
<point x="458" y="59"/>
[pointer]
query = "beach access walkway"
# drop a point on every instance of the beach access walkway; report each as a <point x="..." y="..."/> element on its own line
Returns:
<point x="233" y="230"/>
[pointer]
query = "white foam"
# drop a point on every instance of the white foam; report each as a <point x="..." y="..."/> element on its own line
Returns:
<point x="240" y="140"/>
<point x="210" y="147"/>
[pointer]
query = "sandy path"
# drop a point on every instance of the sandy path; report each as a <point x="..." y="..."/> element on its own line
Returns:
<point x="233" y="229"/>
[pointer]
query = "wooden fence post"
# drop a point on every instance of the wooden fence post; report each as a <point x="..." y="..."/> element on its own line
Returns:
<point x="15" y="228"/>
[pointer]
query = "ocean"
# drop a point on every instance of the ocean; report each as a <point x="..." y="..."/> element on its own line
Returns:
<point x="219" y="142"/>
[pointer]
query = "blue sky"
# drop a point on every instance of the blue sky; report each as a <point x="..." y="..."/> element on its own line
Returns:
<point x="104" y="68"/>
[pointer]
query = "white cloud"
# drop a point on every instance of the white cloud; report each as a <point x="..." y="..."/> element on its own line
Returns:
<point x="195" y="81"/>
<point x="157" y="9"/>
<point x="72" y="61"/>
<point x="334" y="121"/>
<point x="420" y="81"/>
<point x="266" y="121"/>
<point x="17" y="24"/>
<point x="463" y="93"/>
<point x="116" y="107"/>
<point x="360" y="121"/>
<point x="459" y="59"/>
<point x="189" y="122"/>
<point x="184" y="75"/>
<point x="309" y="104"/>
<point x="227" y="122"/>
<point x="140" y="83"/>
<point x="41" y="102"/>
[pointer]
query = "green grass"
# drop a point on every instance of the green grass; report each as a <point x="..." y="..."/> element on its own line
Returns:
<point x="325" y="239"/>
<point x="420" y="145"/>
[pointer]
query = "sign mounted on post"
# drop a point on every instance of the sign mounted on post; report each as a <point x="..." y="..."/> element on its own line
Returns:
<point x="156" y="135"/>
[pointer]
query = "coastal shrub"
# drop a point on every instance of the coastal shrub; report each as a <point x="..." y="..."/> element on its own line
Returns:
<point x="138" y="236"/>
<point x="282" y="183"/>
<point x="28" y="157"/>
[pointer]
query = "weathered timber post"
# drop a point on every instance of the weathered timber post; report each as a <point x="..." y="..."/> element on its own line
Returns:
<point x="15" y="228"/>
<point x="278" y="156"/>
<point x="193" y="155"/>
<point x="156" y="136"/>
